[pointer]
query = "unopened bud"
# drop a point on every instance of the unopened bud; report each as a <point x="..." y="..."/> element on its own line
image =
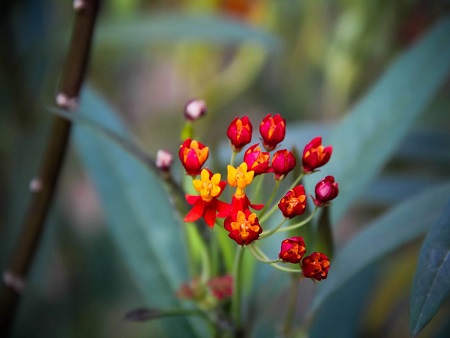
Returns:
<point x="65" y="102"/>
<point x="164" y="159"/>
<point x="195" y="109"/>
<point x="78" y="5"/>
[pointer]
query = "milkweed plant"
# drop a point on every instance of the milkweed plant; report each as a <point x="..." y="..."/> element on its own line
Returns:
<point x="216" y="292"/>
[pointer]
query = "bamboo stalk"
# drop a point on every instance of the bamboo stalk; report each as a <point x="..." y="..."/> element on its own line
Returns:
<point x="43" y="186"/>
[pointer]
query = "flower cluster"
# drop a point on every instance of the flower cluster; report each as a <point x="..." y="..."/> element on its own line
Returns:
<point x="242" y="219"/>
<point x="314" y="266"/>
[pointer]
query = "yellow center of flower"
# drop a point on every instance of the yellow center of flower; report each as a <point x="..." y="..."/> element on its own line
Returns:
<point x="319" y="265"/>
<point x="296" y="249"/>
<point x="318" y="150"/>
<point x="245" y="226"/>
<point x="208" y="188"/>
<point x="202" y="154"/>
<point x="292" y="202"/>
<point x="239" y="177"/>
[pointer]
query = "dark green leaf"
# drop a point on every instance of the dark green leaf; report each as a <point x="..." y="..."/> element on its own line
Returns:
<point x="324" y="241"/>
<point x="399" y="226"/>
<point x="139" y="215"/>
<point x="431" y="282"/>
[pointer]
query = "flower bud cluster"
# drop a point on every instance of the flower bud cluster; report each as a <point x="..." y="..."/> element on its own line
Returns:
<point x="244" y="220"/>
<point x="314" y="266"/>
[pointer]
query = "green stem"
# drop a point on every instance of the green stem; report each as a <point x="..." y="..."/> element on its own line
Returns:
<point x="269" y="201"/>
<point x="259" y="255"/>
<point x="300" y="224"/>
<point x="214" y="253"/>
<point x="237" y="288"/>
<point x="206" y="267"/>
<point x="297" y="180"/>
<point x="233" y="157"/>
<point x="266" y="234"/>
<point x="282" y="268"/>
<point x="291" y="306"/>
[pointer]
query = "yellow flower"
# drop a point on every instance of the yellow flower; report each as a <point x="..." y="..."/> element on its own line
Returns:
<point x="207" y="186"/>
<point x="239" y="177"/>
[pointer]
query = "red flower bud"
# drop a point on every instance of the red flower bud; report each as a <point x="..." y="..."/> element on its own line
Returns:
<point x="257" y="160"/>
<point x="272" y="130"/>
<point x="164" y="160"/>
<point x="283" y="162"/>
<point x="326" y="190"/>
<point x="294" y="202"/>
<point x="193" y="290"/>
<point x="243" y="228"/>
<point x="193" y="155"/>
<point x="315" y="155"/>
<point x="292" y="249"/>
<point x="316" y="266"/>
<point x="195" y="109"/>
<point x="221" y="287"/>
<point x="240" y="133"/>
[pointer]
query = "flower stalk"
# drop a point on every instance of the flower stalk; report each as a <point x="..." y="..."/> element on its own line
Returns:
<point x="43" y="186"/>
<point x="237" y="288"/>
<point x="299" y="224"/>
<point x="269" y="202"/>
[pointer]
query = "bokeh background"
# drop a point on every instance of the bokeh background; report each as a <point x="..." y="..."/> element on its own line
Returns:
<point x="309" y="60"/>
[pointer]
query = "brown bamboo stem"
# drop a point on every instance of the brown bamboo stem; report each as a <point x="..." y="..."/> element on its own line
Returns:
<point x="43" y="186"/>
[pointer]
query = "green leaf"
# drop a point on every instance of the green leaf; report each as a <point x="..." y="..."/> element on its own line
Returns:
<point x="138" y="212"/>
<point x="324" y="240"/>
<point x="164" y="28"/>
<point x="369" y="135"/>
<point x="431" y="282"/>
<point x="399" y="226"/>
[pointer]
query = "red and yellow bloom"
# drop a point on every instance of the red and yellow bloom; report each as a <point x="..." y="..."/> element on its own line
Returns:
<point x="207" y="205"/>
<point x="292" y="249"/>
<point x="257" y="160"/>
<point x="316" y="266"/>
<point x="193" y="155"/>
<point x="239" y="177"/>
<point x="240" y="133"/>
<point x="315" y="155"/>
<point x="272" y="130"/>
<point x="294" y="202"/>
<point x="244" y="228"/>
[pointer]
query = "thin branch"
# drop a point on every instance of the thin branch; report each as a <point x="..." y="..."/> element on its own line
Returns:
<point x="43" y="186"/>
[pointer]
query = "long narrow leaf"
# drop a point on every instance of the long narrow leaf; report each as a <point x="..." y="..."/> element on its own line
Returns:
<point x="139" y="214"/>
<point x="431" y="282"/>
<point x="369" y="135"/>
<point x="401" y="225"/>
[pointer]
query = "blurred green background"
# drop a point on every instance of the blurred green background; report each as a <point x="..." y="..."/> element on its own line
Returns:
<point x="310" y="61"/>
